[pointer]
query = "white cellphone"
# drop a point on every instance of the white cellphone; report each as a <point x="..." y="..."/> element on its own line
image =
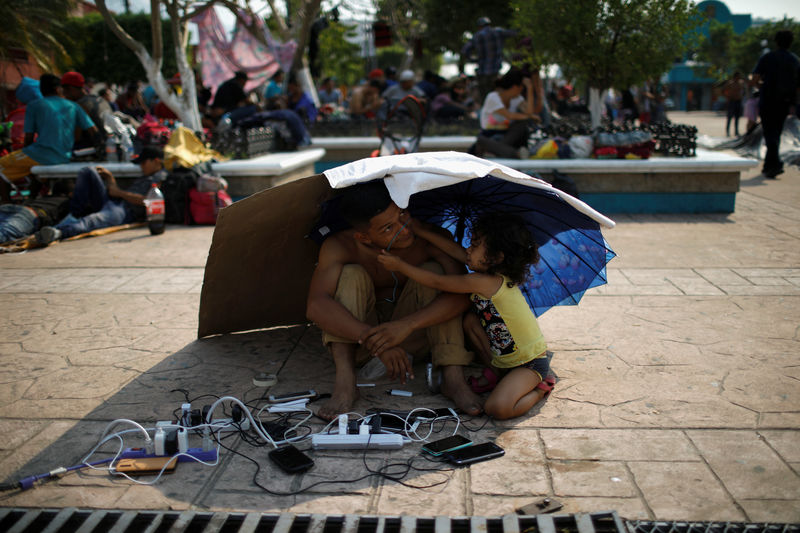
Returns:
<point x="292" y="396"/>
<point x="442" y="412"/>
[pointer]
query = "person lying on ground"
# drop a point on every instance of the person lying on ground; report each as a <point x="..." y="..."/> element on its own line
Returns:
<point x="365" y="311"/>
<point x="98" y="202"/>
<point x="499" y="255"/>
<point x="20" y="220"/>
<point x="52" y="125"/>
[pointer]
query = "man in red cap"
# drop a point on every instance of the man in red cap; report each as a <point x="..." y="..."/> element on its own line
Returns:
<point x="52" y="121"/>
<point x="73" y="84"/>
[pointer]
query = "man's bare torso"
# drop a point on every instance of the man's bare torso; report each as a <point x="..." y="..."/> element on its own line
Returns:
<point x="351" y="252"/>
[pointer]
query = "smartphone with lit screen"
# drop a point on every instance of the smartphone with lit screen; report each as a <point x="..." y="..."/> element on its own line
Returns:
<point x="475" y="453"/>
<point x="447" y="444"/>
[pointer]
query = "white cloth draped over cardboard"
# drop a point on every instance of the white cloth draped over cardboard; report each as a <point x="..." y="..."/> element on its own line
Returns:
<point x="413" y="173"/>
<point x="261" y="261"/>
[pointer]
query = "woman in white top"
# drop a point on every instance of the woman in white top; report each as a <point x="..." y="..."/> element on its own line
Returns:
<point x="506" y="112"/>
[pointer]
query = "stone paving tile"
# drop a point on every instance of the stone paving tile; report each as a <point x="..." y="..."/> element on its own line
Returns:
<point x="747" y="389"/>
<point x="37" y="456"/>
<point x="617" y="445"/>
<point x="779" y="420"/>
<point x="592" y="478"/>
<point x="17" y="432"/>
<point x="246" y="500"/>
<point x="334" y="504"/>
<point x="765" y="273"/>
<point x="722" y="276"/>
<point x="763" y="290"/>
<point x="154" y="498"/>
<point x="746" y="465"/>
<point x="56" y="496"/>
<point x="445" y="499"/>
<point x="505" y="475"/>
<point x="786" y="443"/>
<point x="774" y="511"/>
<point x="686" y="491"/>
<point x="630" y="508"/>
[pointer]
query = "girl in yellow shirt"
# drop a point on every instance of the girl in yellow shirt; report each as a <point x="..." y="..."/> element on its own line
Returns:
<point x="499" y="256"/>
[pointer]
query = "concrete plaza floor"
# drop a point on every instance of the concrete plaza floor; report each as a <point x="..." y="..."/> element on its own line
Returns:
<point x="678" y="394"/>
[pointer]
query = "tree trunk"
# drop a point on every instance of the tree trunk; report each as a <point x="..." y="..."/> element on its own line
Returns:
<point x="595" y="107"/>
<point x="186" y="105"/>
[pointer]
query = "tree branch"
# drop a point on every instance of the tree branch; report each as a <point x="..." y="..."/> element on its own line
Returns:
<point x="155" y="29"/>
<point x="137" y="47"/>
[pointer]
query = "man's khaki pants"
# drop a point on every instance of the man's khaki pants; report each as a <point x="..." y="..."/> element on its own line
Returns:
<point x="356" y="292"/>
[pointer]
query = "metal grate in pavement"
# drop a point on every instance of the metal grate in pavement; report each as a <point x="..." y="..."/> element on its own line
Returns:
<point x="640" y="526"/>
<point x="69" y="520"/>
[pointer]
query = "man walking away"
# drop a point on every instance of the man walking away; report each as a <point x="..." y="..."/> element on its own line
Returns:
<point x="487" y="44"/>
<point x="778" y="73"/>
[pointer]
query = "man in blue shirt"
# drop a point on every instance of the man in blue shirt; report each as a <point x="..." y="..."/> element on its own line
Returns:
<point x="52" y="124"/>
<point x="487" y="44"/>
<point x="778" y="73"/>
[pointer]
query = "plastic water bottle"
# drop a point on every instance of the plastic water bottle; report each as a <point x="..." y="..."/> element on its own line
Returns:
<point x="154" y="205"/>
<point x="112" y="155"/>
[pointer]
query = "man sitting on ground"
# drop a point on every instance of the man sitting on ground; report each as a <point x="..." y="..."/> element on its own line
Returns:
<point x="365" y="311"/>
<point x="55" y="123"/>
<point x="98" y="202"/>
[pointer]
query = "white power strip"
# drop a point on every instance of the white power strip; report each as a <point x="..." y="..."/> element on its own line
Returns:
<point x="356" y="442"/>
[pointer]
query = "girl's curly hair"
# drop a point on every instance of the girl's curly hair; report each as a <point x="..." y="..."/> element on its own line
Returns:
<point x="508" y="235"/>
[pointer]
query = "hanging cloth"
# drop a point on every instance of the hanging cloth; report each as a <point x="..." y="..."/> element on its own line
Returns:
<point x="221" y="57"/>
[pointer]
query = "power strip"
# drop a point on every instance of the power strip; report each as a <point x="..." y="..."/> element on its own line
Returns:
<point x="192" y="454"/>
<point x="356" y="442"/>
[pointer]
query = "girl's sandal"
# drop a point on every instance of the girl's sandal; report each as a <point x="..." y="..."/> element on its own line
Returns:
<point x="547" y="385"/>
<point x="491" y="382"/>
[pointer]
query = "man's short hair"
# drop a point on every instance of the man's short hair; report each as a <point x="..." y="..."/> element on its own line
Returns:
<point x="148" y="153"/>
<point x="360" y="202"/>
<point x="784" y="39"/>
<point x="49" y="84"/>
<point x="240" y="75"/>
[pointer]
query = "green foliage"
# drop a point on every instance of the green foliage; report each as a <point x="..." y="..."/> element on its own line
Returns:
<point x="100" y="55"/>
<point x="431" y="27"/>
<point x="393" y="56"/>
<point x="716" y="50"/>
<point x="38" y="28"/>
<point x="338" y="56"/>
<point x="748" y="47"/>
<point x="448" y="24"/>
<point x="608" y="43"/>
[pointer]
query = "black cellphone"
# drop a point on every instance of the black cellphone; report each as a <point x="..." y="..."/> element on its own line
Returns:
<point x="447" y="444"/>
<point x="290" y="459"/>
<point x="475" y="453"/>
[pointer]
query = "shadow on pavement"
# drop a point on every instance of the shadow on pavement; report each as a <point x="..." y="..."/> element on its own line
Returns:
<point x="203" y="371"/>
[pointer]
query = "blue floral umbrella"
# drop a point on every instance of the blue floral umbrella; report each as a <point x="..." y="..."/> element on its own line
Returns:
<point x="573" y="252"/>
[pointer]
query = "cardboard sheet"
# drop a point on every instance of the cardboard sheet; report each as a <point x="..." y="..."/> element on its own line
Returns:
<point x="260" y="262"/>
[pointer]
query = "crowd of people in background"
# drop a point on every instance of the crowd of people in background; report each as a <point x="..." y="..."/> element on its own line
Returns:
<point x="68" y="113"/>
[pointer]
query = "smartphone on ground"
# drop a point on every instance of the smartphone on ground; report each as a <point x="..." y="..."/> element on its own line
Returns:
<point x="447" y="444"/>
<point x="475" y="453"/>
<point x="290" y="459"/>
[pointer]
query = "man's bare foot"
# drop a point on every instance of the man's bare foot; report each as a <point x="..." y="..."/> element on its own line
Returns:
<point x="455" y="387"/>
<point x="345" y="392"/>
<point x="340" y="402"/>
